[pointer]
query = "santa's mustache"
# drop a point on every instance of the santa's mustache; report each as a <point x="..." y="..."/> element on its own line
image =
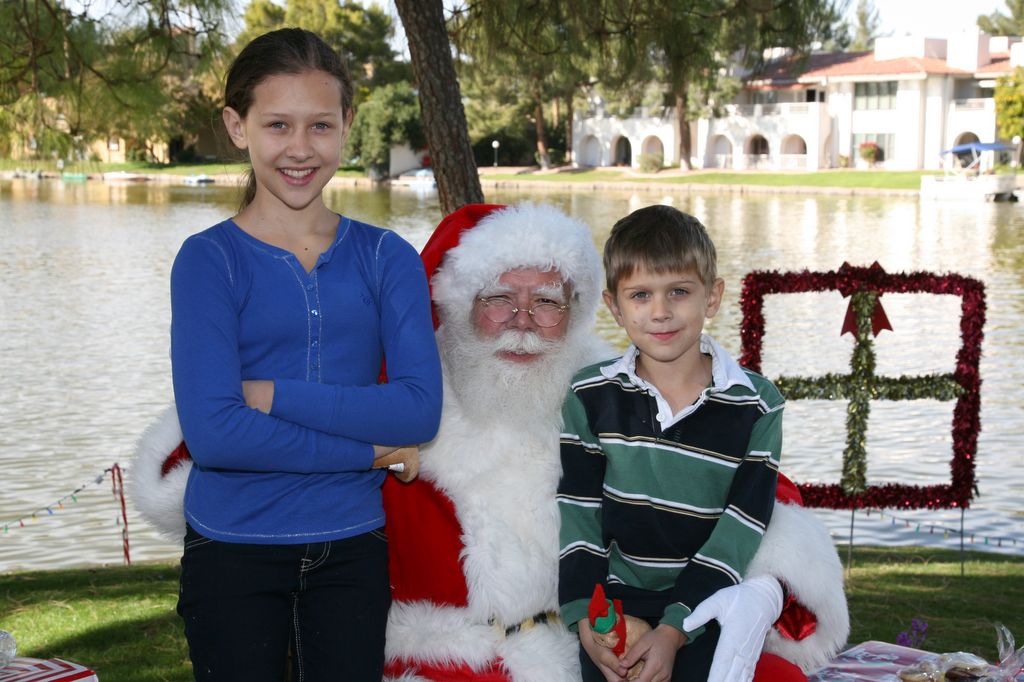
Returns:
<point x="511" y="341"/>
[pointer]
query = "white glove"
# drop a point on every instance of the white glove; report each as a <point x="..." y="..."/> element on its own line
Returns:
<point x="745" y="613"/>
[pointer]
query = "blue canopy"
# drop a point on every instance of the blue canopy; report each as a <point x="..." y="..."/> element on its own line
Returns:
<point x="978" y="147"/>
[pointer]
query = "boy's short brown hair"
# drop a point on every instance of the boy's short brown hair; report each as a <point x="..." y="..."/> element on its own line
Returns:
<point x="660" y="239"/>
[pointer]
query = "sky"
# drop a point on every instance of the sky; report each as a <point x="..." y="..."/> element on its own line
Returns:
<point x="931" y="18"/>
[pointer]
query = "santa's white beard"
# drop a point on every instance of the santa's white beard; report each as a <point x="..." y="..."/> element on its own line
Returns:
<point x="489" y="387"/>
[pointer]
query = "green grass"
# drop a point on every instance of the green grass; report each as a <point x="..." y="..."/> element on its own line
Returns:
<point x="867" y="179"/>
<point x="888" y="587"/>
<point x="121" y="621"/>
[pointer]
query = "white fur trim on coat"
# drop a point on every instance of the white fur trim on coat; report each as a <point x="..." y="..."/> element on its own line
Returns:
<point x="522" y="236"/>
<point x="423" y="631"/>
<point x="548" y="653"/>
<point x="436" y="635"/>
<point x="160" y="499"/>
<point x="798" y="551"/>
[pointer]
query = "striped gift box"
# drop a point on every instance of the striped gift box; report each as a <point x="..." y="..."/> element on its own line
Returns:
<point x="51" y="670"/>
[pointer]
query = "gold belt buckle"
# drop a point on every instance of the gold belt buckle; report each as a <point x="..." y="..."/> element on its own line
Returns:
<point x="525" y="624"/>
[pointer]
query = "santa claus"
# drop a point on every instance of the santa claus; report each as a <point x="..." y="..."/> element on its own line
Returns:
<point x="473" y="542"/>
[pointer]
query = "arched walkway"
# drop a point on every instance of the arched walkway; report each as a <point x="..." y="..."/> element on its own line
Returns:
<point x="590" y="152"/>
<point x="653" y="146"/>
<point x="793" y="153"/>
<point x="757" y="150"/>
<point x="623" y="152"/>
<point x="721" y="152"/>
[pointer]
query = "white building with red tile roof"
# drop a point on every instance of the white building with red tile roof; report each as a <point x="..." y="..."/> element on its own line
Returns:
<point x="911" y="97"/>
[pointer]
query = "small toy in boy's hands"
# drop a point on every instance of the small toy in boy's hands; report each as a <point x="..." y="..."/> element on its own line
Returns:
<point x="613" y="629"/>
<point x="607" y="621"/>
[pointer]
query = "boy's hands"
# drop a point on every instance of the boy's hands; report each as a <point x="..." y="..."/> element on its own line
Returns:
<point x="657" y="649"/>
<point x="602" y="656"/>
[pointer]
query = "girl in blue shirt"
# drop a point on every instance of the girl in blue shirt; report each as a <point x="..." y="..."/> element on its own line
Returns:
<point x="292" y="307"/>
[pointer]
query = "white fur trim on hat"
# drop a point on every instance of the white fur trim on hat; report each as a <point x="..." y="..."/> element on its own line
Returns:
<point x="160" y="499"/>
<point x="523" y="236"/>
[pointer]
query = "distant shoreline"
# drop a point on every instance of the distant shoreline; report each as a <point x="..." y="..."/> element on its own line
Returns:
<point x="695" y="188"/>
<point x="531" y="180"/>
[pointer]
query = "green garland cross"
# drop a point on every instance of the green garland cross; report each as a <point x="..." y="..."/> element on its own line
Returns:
<point x="865" y="318"/>
<point x="860" y="387"/>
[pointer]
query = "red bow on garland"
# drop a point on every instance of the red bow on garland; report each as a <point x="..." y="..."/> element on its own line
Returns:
<point x="879" y="320"/>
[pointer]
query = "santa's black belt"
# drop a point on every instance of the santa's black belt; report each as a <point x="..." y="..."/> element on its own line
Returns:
<point x="525" y="624"/>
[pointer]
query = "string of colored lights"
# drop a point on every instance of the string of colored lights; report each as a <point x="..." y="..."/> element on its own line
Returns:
<point x="921" y="527"/>
<point x="61" y="503"/>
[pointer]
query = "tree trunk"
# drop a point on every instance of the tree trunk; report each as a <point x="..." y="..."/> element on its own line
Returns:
<point x="543" y="158"/>
<point x="569" y="156"/>
<point x="444" y="118"/>
<point x="684" y="130"/>
<point x="542" y="142"/>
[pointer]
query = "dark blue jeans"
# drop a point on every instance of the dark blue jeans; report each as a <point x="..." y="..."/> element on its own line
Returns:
<point x="245" y="605"/>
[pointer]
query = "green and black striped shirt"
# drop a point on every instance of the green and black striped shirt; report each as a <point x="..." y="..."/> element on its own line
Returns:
<point x="673" y="506"/>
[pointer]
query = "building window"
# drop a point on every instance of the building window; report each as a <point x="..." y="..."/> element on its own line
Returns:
<point x="886" y="144"/>
<point x="879" y="95"/>
<point x="114" y="144"/>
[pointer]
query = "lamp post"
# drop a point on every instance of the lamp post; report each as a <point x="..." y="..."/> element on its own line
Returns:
<point x="495" y="144"/>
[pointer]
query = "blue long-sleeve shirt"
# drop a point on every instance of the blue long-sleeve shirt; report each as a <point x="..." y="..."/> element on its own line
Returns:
<point x="244" y="309"/>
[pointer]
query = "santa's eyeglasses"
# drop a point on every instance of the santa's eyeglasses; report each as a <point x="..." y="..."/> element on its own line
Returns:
<point x="499" y="309"/>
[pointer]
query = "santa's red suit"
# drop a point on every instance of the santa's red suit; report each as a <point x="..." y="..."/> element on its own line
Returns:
<point x="473" y="542"/>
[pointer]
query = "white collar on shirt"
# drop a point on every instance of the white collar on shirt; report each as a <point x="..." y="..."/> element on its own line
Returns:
<point x="725" y="373"/>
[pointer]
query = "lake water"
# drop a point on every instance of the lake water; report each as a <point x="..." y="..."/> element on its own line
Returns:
<point x="84" y="363"/>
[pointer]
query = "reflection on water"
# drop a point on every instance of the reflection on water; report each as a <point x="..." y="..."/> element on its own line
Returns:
<point x="84" y="310"/>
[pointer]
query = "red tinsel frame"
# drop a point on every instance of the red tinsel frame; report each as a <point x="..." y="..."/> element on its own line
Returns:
<point x="966" y="413"/>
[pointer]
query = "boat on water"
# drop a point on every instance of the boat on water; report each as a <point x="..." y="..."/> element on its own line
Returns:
<point x="201" y="179"/>
<point x="976" y="171"/>
<point x="419" y="179"/>
<point x="124" y="176"/>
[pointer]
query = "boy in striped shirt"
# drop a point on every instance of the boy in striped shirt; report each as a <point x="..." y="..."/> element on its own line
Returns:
<point x="670" y="455"/>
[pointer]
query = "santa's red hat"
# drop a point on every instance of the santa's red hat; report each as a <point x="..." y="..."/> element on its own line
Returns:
<point x="476" y="244"/>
